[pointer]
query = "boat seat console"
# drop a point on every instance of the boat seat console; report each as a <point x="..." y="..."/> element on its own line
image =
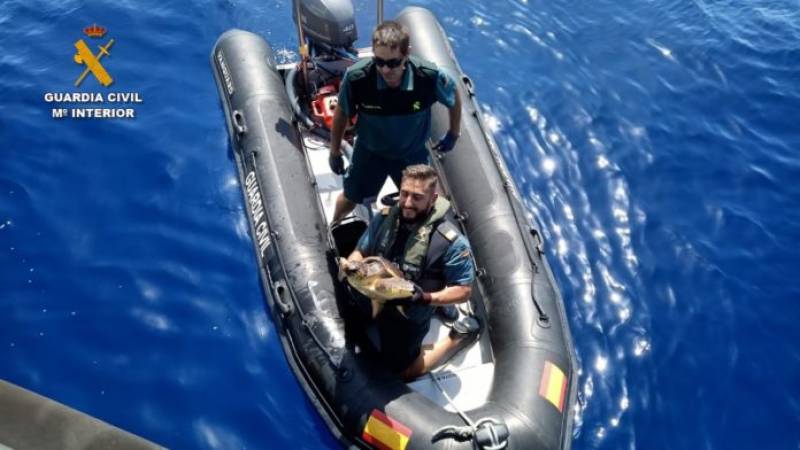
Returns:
<point x="346" y="234"/>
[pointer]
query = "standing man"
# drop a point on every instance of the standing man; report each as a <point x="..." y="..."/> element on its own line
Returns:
<point x="431" y="252"/>
<point x="392" y="93"/>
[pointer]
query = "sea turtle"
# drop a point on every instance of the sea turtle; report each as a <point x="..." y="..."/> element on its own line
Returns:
<point x="376" y="278"/>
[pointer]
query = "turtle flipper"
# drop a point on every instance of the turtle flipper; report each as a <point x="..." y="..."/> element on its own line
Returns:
<point x="341" y="275"/>
<point x="402" y="310"/>
<point x="377" y="307"/>
<point x="394" y="288"/>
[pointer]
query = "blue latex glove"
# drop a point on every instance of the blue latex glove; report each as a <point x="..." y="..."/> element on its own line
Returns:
<point x="336" y="164"/>
<point x="446" y="143"/>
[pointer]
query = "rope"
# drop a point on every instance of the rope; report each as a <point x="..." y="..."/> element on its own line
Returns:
<point x="471" y="430"/>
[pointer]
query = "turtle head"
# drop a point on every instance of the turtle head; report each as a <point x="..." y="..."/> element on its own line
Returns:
<point x="347" y="268"/>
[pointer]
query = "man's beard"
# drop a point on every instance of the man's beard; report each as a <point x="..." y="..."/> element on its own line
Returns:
<point x="420" y="217"/>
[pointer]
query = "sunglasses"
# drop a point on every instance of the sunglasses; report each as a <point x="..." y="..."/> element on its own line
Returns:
<point x="390" y="63"/>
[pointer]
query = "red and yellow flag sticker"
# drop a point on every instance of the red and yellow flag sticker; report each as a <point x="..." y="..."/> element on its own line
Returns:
<point x="385" y="433"/>
<point x="553" y="385"/>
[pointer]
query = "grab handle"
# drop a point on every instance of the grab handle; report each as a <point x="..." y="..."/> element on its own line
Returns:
<point x="284" y="304"/>
<point x="469" y="85"/>
<point x="238" y="122"/>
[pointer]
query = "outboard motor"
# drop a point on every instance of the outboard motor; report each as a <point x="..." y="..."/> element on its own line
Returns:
<point x="328" y="24"/>
<point x="327" y="33"/>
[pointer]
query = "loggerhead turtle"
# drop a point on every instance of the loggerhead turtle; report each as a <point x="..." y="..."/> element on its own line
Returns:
<point x="376" y="278"/>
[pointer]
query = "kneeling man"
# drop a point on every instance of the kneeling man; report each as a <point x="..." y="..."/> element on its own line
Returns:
<point x="432" y="253"/>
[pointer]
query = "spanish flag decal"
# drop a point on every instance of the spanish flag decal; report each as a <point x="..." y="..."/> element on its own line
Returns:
<point x="385" y="433"/>
<point x="553" y="385"/>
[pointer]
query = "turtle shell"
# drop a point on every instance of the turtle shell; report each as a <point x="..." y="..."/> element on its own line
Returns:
<point x="377" y="267"/>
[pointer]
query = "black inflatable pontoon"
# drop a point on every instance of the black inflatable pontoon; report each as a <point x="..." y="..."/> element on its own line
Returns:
<point x="515" y="387"/>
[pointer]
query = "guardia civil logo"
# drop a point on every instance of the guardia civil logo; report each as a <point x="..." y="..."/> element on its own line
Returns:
<point x="91" y="53"/>
<point x="86" y="57"/>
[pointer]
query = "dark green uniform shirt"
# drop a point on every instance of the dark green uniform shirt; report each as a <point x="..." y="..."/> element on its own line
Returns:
<point x="400" y="131"/>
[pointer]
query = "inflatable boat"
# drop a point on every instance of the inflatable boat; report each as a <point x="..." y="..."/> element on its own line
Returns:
<point x="515" y="386"/>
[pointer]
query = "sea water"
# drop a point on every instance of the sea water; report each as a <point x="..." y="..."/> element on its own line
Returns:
<point x="656" y="143"/>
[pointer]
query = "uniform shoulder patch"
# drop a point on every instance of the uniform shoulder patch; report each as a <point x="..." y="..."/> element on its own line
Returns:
<point x="449" y="231"/>
<point x="358" y="70"/>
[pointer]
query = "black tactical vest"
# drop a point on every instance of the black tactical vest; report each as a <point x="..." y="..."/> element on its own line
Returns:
<point x="421" y="261"/>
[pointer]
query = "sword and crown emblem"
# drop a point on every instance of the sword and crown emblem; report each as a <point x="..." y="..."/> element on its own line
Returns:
<point x="85" y="56"/>
<point x="94" y="31"/>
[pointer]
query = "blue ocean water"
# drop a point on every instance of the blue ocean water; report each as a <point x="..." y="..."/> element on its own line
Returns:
<point x="655" y="141"/>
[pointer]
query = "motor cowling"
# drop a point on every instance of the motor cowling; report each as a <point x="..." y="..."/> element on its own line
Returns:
<point x="328" y="22"/>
